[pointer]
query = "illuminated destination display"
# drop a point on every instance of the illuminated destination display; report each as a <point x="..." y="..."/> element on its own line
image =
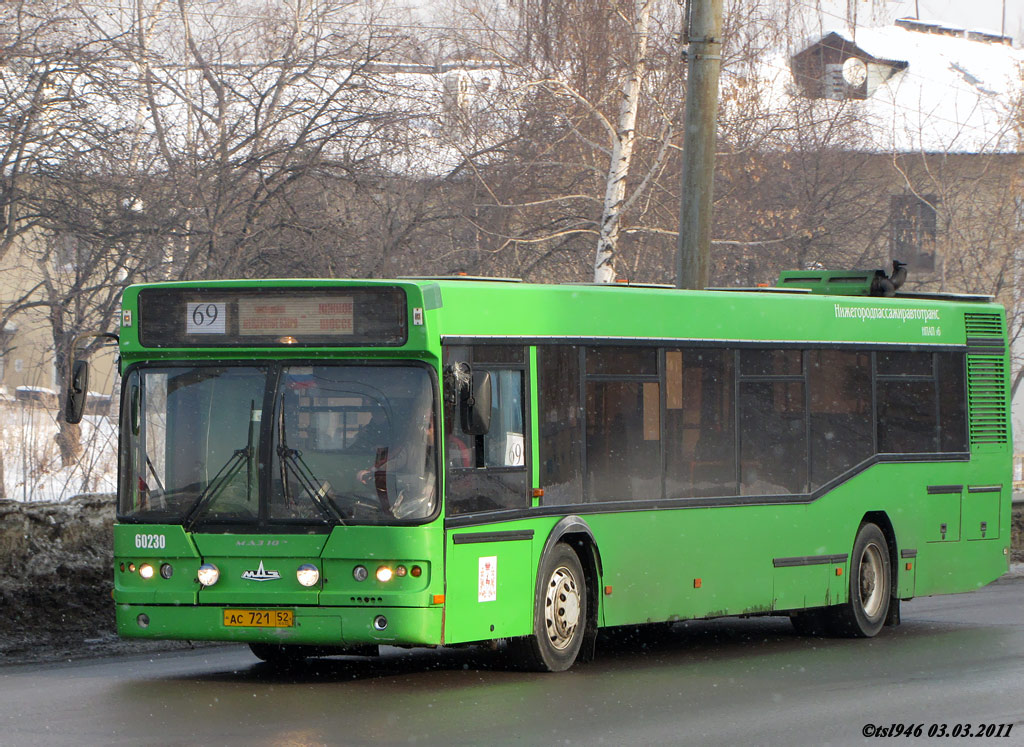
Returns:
<point x="295" y="316"/>
<point x="210" y="317"/>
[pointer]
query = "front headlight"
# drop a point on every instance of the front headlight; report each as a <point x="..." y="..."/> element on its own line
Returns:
<point x="208" y="574"/>
<point x="308" y="574"/>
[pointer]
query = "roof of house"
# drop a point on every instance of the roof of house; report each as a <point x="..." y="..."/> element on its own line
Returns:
<point x="947" y="94"/>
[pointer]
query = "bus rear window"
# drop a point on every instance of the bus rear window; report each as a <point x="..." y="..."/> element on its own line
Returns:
<point x="286" y="317"/>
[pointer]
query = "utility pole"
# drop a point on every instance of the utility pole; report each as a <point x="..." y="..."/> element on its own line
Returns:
<point x="704" y="62"/>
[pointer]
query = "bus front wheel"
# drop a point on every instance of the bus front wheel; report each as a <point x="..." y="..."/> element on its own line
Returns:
<point x="559" y="615"/>
<point x="865" y="612"/>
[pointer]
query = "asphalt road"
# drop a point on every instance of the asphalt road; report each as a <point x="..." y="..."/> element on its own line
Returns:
<point x="956" y="660"/>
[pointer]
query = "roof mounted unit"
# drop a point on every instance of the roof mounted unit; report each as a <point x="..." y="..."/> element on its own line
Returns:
<point x="863" y="283"/>
<point x="460" y="277"/>
<point x="834" y="283"/>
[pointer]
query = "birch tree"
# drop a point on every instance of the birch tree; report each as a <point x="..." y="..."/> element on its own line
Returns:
<point x="623" y="139"/>
<point x="599" y="103"/>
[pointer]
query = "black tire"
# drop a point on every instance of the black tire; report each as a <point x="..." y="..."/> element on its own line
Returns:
<point x="277" y="654"/>
<point x="867" y="609"/>
<point x="559" y="614"/>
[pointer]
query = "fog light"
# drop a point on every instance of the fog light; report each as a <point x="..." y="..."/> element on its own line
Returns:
<point x="359" y="573"/>
<point x="143" y="620"/>
<point x="380" y="622"/>
<point x="384" y="574"/>
<point x="308" y="574"/>
<point x="146" y="570"/>
<point x="208" y="574"/>
<point x="166" y="571"/>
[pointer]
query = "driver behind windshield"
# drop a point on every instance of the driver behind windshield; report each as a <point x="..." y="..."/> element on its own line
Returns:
<point x="410" y="460"/>
<point x="366" y="436"/>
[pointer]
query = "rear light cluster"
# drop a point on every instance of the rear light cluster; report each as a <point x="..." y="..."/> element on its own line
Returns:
<point x="385" y="573"/>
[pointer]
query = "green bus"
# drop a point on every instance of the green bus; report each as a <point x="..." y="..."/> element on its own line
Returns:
<point x="317" y="467"/>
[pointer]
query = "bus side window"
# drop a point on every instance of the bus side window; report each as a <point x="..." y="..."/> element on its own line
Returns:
<point x="504" y="444"/>
<point x="622" y="398"/>
<point x="561" y="422"/>
<point x="907" y="395"/>
<point x="488" y="472"/>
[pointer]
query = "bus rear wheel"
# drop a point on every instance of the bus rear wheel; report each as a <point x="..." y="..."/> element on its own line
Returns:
<point x="559" y="615"/>
<point x="865" y="612"/>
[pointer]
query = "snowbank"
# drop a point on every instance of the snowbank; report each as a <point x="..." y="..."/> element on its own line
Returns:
<point x="31" y="459"/>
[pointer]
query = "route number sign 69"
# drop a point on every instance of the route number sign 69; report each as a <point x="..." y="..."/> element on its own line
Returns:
<point x="205" y="319"/>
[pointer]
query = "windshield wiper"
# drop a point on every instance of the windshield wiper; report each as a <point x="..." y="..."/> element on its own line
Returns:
<point x="292" y="462"/>
<point x="225" y="475"/>
<point x="152" y="470"/>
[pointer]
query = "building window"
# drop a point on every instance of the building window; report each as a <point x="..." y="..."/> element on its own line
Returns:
<point x="913" y="228"/>
<point x="66" y="252"/>
<point x="6" y="336"/>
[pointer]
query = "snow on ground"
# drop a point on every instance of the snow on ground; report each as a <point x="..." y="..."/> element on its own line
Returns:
<point x="31" y="459"/>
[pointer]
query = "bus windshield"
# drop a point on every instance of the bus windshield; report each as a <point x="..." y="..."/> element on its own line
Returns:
<point x="337" y="445"/>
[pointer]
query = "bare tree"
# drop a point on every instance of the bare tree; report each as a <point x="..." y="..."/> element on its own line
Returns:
<point x="598" y="105"/>
<point x="37" y="51"/>
<point x="251" y="115"/>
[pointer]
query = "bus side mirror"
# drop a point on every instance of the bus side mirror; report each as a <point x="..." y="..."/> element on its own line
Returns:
<point x="75" y="402"/>
<point x="475" y="405"/>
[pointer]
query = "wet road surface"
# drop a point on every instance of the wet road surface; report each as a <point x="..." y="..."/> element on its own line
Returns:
<point x="955" y="660"/>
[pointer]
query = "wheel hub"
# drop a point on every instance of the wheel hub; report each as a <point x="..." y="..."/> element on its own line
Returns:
<point x="562" y="608"/>
<point x="871" y="582"/>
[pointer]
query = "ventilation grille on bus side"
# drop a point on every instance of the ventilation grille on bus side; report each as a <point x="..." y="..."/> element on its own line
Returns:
<point x="986" y="379"/>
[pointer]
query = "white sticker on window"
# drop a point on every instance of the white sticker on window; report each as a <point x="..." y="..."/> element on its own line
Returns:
<point x="487" y="584"/>
<point x="514" y="450"/>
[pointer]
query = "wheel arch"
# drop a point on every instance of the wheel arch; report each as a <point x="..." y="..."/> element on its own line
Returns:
<point x="577" y="534"/>
<point x="882" y="521"/>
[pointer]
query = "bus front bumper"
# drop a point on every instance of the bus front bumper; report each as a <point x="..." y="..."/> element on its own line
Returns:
<point x="326" y="626"/>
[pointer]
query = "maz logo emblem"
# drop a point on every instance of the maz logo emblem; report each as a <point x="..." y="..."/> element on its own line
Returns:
<point x="261" y="575"/>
